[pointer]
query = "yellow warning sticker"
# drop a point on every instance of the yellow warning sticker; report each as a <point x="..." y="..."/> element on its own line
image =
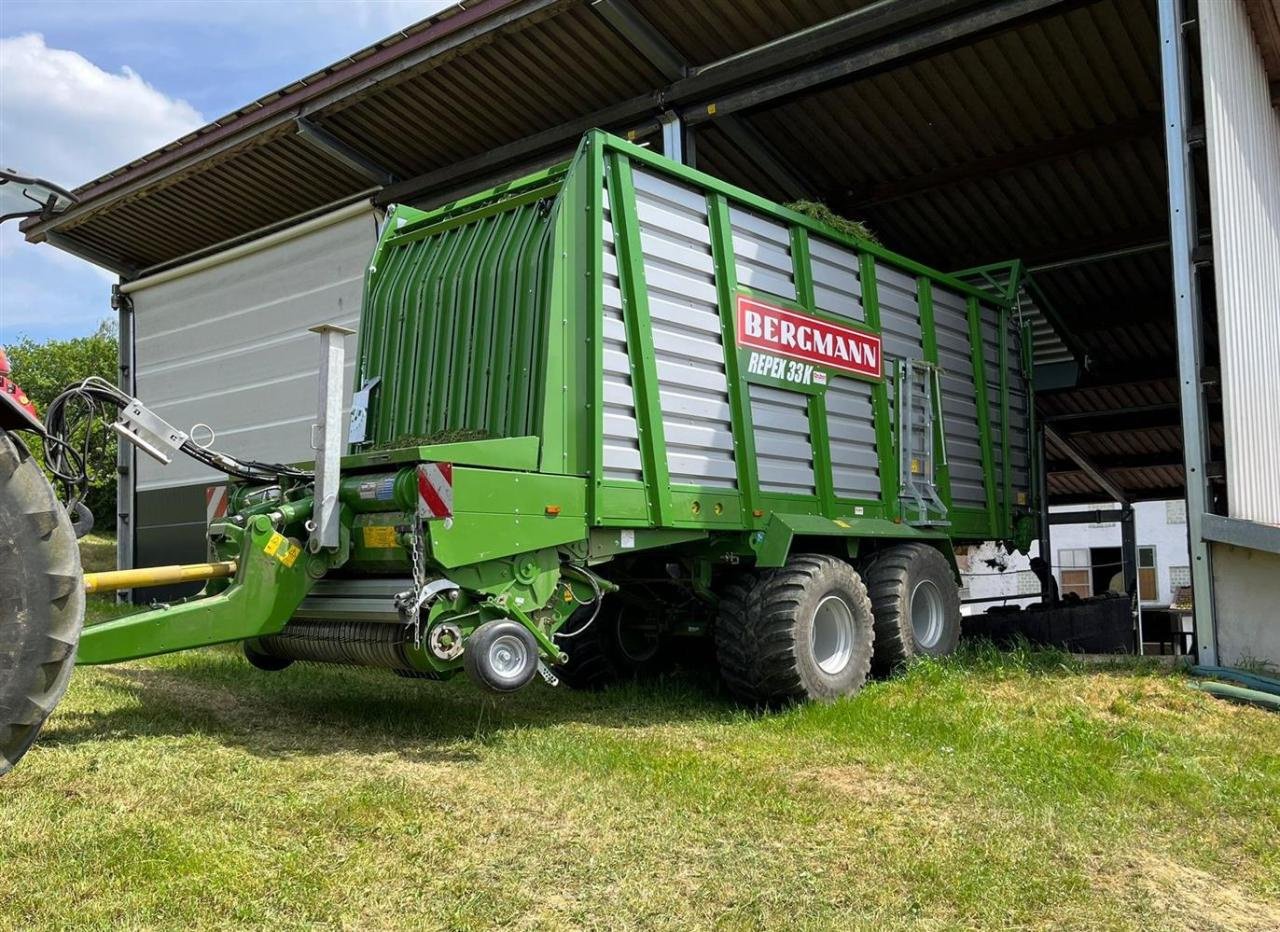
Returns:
<point x="380" y="535"/>
<point x="916" y="468"/>
<point x="273" y="544"/>
<point x="289" y="556"/>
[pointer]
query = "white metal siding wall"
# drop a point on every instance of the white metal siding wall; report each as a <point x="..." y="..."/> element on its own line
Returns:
<point x="693" y="388"/>
<point x="228" y="345"/>
<point x="621" y="439"/>
<point x="1244" y="184"/>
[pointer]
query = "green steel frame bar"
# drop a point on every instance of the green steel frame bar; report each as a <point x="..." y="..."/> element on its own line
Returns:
<point x="744" y="444"/>
<point x="644" y="372"/>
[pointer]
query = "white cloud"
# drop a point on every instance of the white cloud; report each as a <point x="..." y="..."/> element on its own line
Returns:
<point x="64" y="118"/>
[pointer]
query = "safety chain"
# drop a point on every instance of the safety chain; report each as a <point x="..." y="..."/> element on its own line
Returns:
<point x="409" y="603"/>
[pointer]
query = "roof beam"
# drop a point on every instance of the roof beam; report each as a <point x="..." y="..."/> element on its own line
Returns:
<point x="966" y="26"/>
<point x="633" y="26"/>
<point x="339" y="151"/>
<point x="1064" y="253"/>
<point x="1144" y="126"/>
<point x="755" y="71"/>
<point x="1116" y="420"/>
<point x="1165" y="458"/>
<point x="1149" y="494"/>
<point x="1087" y="465"/>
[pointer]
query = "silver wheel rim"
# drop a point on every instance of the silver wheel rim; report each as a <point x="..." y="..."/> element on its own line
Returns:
<point x="926" y="613"/>
<point x="507" y="655"/>
<point x="831" y="637"/>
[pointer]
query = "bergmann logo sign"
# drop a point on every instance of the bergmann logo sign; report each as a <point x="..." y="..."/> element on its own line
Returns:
<point x="800" y="336"/>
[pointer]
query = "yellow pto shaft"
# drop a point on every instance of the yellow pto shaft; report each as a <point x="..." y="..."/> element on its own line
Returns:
<point x="157" y="576"/>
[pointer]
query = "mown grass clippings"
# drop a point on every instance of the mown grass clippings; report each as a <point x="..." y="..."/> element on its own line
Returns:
<point x="816" y="210"/>
<point x="990" y="790"/>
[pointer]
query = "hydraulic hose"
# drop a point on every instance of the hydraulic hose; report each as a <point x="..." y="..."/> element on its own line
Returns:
<point x="1255" y="681"/>
<point x="1238" y="694"/>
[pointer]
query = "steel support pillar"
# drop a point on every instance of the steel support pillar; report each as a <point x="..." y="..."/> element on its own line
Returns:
<point x="126" y="459"/>
<point x="1129" y="550"/>
<point x="332" y="437"/>
<point x="1183" y="238"/>
<point x="672" y="136"/>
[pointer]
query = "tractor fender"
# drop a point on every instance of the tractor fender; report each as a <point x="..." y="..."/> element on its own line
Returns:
<point x="16" y="410"/>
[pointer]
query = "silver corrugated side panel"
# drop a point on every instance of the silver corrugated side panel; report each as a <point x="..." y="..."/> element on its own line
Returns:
<point x="1019" y="436"/>
<point x="899" y="313"/>
<point x="851" y="429"/>
<point x="959" y="399"/>
<point x="837" y="279"/>
<point x="621" y="439"/>
<point x="784" y="449"/>
<point x="688" y="349"/>
<point x="227" y="345"/>
<point x="1243" y="131"/>
<point x="1019" y="415"/>
<point x="762" y="253"/>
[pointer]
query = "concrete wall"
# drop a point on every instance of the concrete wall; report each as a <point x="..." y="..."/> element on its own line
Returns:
<point x="1246" y="592"/>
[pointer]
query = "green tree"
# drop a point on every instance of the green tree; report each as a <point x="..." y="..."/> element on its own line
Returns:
<point x="44" y="370"/>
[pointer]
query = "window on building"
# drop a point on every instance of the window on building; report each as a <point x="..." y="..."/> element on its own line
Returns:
<point x="1175" y="511"/>
<point x="1148" y="585"/>
<point x="1179" y="576"/>
<point x="1075" y="573"/>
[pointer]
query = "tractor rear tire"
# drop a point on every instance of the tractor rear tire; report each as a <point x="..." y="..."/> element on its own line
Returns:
<point x="41" y="600"/>
<point x="916" y="603"/>
<point x="803" y="632"/>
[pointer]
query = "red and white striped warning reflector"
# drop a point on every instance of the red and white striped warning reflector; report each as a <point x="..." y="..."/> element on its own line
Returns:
<point x="435" y="490"/>
<point x="215" y="503"/>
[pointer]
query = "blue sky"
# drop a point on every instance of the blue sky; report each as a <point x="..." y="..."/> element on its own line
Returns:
<point x="88" y="86"/>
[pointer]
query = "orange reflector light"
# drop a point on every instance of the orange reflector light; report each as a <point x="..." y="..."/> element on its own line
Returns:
<point x="553" y="510"/>
<point x="757" y="513"/>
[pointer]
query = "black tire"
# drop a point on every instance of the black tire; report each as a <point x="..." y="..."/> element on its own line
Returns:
<point x="268" y="663"/>
<point x="780" y="639"/>
<point x="894" y="577"/>
<point x="41" y="600"/>
<point x="613" y="647"/>
<point x="501" y="656"/>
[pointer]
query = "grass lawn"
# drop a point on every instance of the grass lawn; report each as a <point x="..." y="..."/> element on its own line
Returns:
<point x="1019" y="790"/>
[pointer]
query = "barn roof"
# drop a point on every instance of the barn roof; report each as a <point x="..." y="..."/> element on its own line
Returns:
<point x="963" y="131"/>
